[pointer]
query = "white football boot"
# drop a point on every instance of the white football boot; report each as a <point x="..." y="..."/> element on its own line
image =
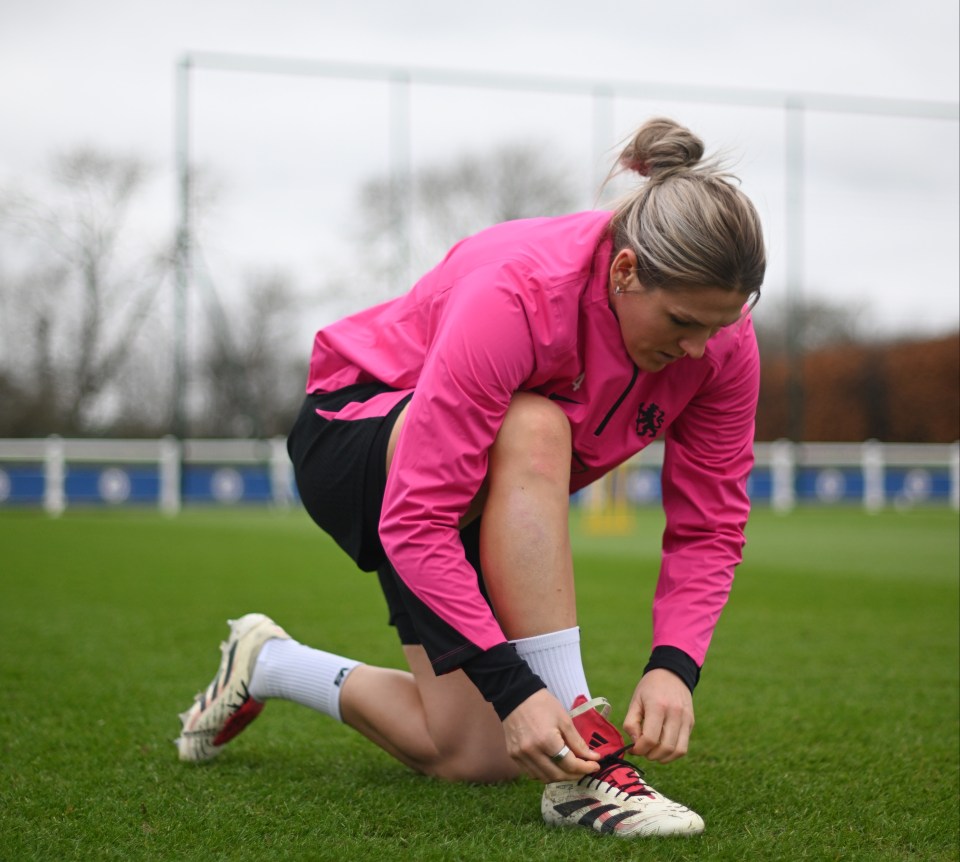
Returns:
<point x="225" y="708"/>
<point x="615" y="800"/>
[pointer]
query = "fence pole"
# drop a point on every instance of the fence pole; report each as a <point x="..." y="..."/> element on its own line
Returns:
<point x="873" y="467"/>
<point x="796" y="224"/>
<point x="170" y="458"/>
<point x="54" y="476"/>
<point x="955" y="477"/>
<point x="281" y="473"/>
<point x="783" y="475"/>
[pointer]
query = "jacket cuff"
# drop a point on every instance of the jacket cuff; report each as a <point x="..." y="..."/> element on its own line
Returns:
<point x="503" y="678"/>
<point x="675" y="660"/>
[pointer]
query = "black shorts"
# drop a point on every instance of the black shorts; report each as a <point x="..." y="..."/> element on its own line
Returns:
<point x="340" y="467"/>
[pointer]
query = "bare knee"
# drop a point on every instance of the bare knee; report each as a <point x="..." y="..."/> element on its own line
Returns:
<point x="461" y="738"/>
<point x="534" y="438"/>
<point x="473" y="752"/>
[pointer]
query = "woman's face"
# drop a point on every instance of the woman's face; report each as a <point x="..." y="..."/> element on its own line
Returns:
<point x="660" y="326"/>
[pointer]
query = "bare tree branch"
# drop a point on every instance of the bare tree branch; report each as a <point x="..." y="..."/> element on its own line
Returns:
<point x="79" y="290"/>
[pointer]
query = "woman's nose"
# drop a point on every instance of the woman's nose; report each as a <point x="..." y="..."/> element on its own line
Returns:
<point x="694" y="346"/>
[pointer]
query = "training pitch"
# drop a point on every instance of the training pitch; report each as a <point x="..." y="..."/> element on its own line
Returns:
<point x="828" y="722"/>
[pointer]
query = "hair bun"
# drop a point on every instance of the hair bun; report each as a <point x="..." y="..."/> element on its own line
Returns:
<point x="661" y="147"/>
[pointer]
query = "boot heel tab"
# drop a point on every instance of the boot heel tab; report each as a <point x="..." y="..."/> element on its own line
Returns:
<point x="600" y="704"/>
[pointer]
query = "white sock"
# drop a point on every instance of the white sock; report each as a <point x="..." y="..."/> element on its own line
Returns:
<point x="291" y="671"/>
<point x="555" y="658"/>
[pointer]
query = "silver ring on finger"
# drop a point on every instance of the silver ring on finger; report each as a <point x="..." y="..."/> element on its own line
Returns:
<point x="562" y="753"/>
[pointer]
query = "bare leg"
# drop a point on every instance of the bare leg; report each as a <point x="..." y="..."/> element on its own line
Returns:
<point x="441" y="725"/>
<point x="525" y="535"/>
<point x="437" y="725"/>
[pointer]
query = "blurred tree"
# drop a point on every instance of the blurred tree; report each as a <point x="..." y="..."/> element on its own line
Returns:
<point x="403" y="232"/>
<point x="814" y="322"/>
<point x="788" y="331"/>
<point x="252" y="369"/>
<point x="76" y="291"/>
<point x="894" y="391"/>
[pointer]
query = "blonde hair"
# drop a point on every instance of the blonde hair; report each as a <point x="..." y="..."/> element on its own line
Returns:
<point x="688" y="223"/>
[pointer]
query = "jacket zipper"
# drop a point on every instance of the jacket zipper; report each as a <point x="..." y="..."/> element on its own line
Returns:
<point x="619" y="401"/>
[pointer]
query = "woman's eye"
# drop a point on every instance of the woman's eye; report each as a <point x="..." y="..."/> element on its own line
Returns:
<point x="676" y="321"/>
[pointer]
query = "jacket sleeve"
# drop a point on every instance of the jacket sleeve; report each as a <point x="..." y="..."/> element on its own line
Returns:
<point x="480" y="352"/>
<point x="708" y="458"/>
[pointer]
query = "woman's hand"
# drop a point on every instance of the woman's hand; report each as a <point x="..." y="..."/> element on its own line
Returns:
<point x="660" y="717"/>
<point x="540" y="728"/>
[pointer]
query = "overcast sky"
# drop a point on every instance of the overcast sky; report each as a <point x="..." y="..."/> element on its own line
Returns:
<point x="881" y="194"/>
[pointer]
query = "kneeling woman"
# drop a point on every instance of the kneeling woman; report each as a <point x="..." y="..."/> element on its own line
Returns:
<point x="441" y="437"/>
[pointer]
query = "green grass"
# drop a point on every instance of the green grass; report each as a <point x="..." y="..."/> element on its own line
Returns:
<point x="828" y="714"/>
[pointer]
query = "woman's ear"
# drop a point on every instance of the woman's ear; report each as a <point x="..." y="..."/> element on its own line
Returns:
<point x="623" y="269"/>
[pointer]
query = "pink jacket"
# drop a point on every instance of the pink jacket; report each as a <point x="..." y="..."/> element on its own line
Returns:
<point x="524" y="306"/>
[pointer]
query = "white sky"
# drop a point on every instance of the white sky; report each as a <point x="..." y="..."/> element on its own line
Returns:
<point x="881" y="194"/>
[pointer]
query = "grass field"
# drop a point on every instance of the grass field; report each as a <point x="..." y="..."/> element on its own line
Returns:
<point x="828" y="714"/>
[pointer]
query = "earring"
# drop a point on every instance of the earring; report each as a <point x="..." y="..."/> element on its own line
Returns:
<point x="618" y="290"/>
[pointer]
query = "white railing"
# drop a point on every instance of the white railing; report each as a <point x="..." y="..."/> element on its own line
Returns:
<point x="58" y="472"/>
<point x="872" y="459"/>
<point x="874" y="474"/>
<point x="54" y="456"/>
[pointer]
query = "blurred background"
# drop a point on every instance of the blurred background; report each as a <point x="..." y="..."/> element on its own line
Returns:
<point x="188" y="190"/>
